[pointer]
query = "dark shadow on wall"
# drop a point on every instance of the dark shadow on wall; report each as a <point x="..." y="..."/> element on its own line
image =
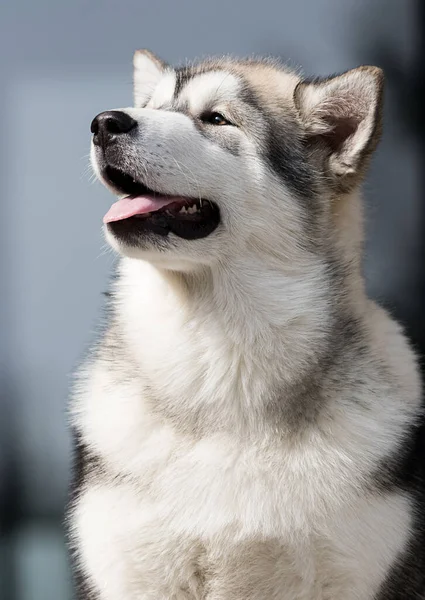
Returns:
<point x="407" y="87"/>
<point x="11" y="510"/>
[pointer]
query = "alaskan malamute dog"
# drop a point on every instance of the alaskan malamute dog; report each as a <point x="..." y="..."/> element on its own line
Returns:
<point x="248" y="426"/>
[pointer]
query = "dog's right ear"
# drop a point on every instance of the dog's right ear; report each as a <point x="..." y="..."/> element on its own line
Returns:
<point x="148" y="70"/>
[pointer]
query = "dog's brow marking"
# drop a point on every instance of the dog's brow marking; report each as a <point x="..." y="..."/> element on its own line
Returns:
<point x="223" y="80"/>
<point x="203" y="89"/>
<point x="182" y="77"/>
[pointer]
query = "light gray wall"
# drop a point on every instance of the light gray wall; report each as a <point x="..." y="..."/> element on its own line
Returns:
<point x="63" y="62"/>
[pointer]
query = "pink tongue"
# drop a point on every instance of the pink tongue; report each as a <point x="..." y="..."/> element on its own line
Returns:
<point x="139" y="205"/>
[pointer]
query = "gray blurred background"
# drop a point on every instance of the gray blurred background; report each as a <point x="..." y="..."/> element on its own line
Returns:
<point x="63" y="62"/>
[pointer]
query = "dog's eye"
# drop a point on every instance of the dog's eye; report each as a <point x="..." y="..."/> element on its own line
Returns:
<point x="214" y="118"/>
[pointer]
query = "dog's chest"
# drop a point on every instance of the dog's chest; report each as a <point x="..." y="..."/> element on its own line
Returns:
<point x="213" y="523"/>
<point x="172" y="516"/>
<point x="255" y="484"/>
<point x="130" y="550"/>
<point x="210" y="520"/>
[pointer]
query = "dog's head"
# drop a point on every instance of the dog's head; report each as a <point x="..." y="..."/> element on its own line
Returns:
<point x="224" y="155"/>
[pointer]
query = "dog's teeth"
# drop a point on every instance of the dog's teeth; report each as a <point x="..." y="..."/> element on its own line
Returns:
<point x="192" y="209"/>
<point x="183" y="210"/>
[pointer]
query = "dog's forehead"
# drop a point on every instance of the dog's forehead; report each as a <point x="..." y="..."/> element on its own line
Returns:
<point x="267" y="85"/>
<point x="207" y="89"/>
<point x="272" y="83"/>
<point x="195" y="90"/>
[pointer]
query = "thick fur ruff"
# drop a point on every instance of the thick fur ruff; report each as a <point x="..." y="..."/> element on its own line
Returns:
<point x="248" y="427"/>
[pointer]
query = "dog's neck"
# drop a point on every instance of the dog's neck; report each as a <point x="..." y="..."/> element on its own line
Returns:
<point x="237" y="329"/>
<point x="249" y="301"/>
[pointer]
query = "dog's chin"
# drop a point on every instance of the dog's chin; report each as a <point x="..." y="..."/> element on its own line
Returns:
<point x="169" y="217"/>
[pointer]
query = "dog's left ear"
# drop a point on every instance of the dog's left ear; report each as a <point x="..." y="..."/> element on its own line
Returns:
<point x="342" y="118"/>
<point x="148" y="70"/>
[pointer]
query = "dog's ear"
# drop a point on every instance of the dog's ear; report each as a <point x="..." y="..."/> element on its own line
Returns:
<point x="342" y="120"/>
<point x="148" y="70"/>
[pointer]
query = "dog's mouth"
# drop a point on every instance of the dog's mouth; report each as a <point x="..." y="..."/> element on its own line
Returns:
<point x="144" y="210"/>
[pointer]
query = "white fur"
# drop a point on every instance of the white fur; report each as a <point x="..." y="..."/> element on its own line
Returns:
<point x="132" y="551"/>
<point x="238" y="487"/>
<point x="251" y="509"/>
<point x="209" y="90"/>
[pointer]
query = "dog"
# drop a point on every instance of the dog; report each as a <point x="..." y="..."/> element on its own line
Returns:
<point x="249" y="426"/>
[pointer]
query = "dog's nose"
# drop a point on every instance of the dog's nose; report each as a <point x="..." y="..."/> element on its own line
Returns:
<point x="109" y="124"/>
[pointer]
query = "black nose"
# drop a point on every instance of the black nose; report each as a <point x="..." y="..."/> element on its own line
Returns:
<point x="109" y="124"/>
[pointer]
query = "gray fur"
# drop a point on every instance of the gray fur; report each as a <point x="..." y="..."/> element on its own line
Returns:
<point x="245" y="423"/>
